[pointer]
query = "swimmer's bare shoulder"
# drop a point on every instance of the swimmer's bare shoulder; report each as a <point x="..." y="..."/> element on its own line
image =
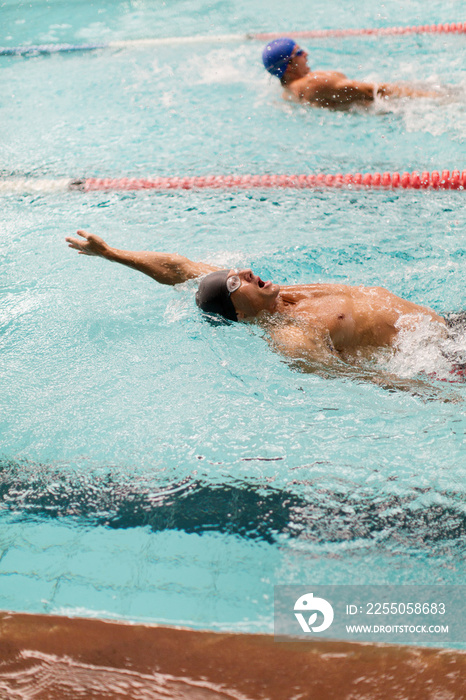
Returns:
<point x="304" y="89"/>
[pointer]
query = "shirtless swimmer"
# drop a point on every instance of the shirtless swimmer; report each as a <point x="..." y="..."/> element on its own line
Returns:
<point x="307" y="322"/>
<point x="288" y="62"/>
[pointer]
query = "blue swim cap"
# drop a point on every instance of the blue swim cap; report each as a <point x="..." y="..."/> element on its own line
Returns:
<point x="276" y="55"/>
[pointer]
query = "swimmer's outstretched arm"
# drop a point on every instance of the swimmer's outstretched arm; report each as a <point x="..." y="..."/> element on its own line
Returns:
<point x="395" y="90"/>
<point x="165" y="268"/>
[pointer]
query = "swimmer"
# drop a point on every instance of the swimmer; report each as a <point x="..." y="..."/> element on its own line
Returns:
<point x="316" y="325"/>
<point x="288" y="62"/>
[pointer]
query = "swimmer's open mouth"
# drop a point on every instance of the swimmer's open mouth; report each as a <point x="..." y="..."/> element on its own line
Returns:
<point x="260" y="282"/>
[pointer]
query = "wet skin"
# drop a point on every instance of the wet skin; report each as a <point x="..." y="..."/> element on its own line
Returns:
<point x="333" y="89"/>
<point x="319" y="319"/>
<point x="305" y="321"/>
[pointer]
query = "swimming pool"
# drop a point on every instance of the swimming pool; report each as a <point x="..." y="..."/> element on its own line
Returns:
<point x="154" y="468"/>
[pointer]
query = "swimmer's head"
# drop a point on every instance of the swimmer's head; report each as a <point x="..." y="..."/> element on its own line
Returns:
<point x="277" y="54"/>
<point x="213" y="295"/>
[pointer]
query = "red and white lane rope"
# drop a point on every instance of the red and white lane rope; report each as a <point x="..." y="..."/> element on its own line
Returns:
<point x="435" y="180"/>
<point x="453" y="27"/>
<point x="34" y="50"/>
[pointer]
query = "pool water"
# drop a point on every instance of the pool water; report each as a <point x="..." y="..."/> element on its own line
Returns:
<point x="154" y="468"/>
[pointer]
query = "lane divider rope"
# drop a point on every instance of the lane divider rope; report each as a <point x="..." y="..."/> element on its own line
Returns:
<point x="415" y="180"/>
<point x="453" y="27"/>
<point x="446" y="28"/>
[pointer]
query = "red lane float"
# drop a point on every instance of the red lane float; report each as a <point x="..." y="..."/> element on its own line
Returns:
<point x="351" y="181"/>
<point x="449" y="28"/>
<point x="436" y="181"/>
<point x="40" y="49"/>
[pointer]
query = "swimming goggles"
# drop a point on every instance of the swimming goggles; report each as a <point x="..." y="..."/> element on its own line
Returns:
<point x="299" y="52"/>
<point x="233" y="283"/>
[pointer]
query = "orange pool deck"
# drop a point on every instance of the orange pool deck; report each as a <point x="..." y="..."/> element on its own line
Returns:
<point x="55" y="658"/>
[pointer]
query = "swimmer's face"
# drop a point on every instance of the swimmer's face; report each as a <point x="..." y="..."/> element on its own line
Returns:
<point x="298" y="60"/>
<point x="253" y="295"/>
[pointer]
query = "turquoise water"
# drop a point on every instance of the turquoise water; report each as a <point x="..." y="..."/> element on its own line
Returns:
<point x="153" y="467"/>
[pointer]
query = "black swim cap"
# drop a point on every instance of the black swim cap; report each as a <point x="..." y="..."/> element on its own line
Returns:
<point x="213" y="296"/>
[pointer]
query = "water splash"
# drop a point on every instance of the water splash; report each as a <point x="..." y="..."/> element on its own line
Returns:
<point x="428" y="349"/>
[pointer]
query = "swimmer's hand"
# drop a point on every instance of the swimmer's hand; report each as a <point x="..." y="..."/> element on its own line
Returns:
<point x="91" y="245"/>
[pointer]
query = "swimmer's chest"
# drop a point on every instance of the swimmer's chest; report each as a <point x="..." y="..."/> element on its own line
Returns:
<point x="316" y="304"/>
<point x="348" y="316"/>
<point x="328" y="316"/>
